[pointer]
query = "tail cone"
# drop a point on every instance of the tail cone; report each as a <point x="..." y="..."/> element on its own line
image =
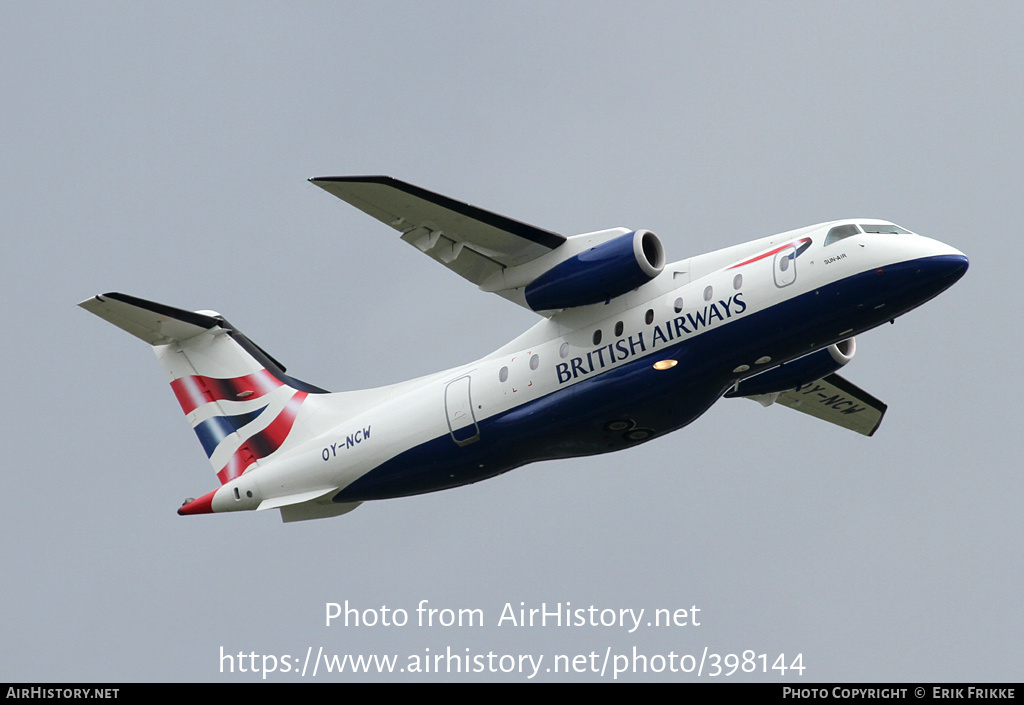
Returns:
<point x="203" y="505"/>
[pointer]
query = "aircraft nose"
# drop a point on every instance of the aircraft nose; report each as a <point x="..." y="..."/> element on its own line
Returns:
<point x="940" y="263"/>
<point x="926" y="277"/>
<point x="930" y="268"/>
<point x="950" y="267"/>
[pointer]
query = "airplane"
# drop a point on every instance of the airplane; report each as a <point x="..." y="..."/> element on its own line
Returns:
<point x="629" y="348"/>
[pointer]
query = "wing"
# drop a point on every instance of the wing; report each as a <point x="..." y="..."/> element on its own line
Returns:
<point x="835" y="400"/>
<point x="476" y="244"/>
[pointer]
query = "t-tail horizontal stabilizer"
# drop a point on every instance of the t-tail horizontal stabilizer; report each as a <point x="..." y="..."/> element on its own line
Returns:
<point x="157" y="324"/>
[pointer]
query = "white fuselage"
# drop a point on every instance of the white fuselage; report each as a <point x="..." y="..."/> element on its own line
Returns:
<point x="455" y="426"/>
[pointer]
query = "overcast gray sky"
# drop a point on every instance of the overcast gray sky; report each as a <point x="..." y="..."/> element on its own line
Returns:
<point x="161" y="149"/>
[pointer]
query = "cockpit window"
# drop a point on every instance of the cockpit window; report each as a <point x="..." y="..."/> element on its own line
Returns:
<point x="839" y="232"/>
<point x="887" y="228"/>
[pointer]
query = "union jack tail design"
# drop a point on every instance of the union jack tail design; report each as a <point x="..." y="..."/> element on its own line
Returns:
<point x="240" y="403"/>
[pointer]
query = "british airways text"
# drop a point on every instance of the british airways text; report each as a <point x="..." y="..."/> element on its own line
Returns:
<point x="663" y="333"/>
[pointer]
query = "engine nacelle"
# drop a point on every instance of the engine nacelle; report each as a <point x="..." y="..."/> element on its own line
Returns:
<point x="803" y="370"/>
<point x="599" y="274"/>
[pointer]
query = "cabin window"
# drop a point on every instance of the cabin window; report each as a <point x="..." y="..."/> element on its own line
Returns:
<point x="649" y="316"/>
<point x="563" y="351"/>
<point x="679" y="305"/>
<point x="708" y="293"/>
<point x="503" y="374"/>
<point x="618" y="329"/>
<point x="534" y="362"/>
<point x="597" y="337"/>
<point x="737" y="282"/>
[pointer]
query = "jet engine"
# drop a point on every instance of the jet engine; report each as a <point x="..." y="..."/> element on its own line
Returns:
<point x="600" y="273"/>
<point x="803" y="370"/>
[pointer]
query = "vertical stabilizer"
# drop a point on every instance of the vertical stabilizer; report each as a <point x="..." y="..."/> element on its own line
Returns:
<point x="240" y="403"/>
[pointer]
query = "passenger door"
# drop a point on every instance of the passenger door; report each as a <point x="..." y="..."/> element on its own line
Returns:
<point x="785" y="267"/>
<point x="458" y="406"/>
